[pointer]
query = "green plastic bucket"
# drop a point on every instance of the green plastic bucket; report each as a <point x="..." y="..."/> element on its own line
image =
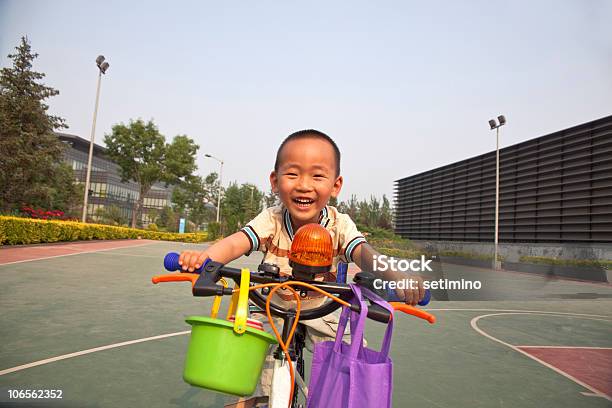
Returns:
<point x="222" y="360"/>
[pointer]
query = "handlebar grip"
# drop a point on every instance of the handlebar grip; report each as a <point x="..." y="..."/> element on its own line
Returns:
<point x="392" y="297"/>
<point x="171" y="263"/>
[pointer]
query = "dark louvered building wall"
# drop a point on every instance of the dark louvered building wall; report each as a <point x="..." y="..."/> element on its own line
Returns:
<point x="555" y="188"/>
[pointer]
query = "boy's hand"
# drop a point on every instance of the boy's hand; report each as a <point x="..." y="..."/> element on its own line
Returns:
<point x="414" y="292"/>
<point x="192" y="260"/>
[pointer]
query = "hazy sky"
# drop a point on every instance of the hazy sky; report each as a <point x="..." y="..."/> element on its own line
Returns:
<point x="403" y="87"/>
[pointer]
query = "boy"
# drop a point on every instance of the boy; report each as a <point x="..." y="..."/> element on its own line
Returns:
<point x="306" y="175"/>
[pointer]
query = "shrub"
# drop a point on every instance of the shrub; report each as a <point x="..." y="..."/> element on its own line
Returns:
<point x="42" y="214"/>
<point x="594" y="263"/>
<point x="214" y="230"/>
<point x="15" y="231"/>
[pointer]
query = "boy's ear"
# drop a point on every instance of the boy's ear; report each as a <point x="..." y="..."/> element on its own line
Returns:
<point x="337" y="187"/>
<point x="274" y="182"/>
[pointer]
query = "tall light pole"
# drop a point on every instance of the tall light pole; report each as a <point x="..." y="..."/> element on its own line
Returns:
<point x="102" y="67"/>
<point x="494" y="125"/>
<point x="220" y="181"/>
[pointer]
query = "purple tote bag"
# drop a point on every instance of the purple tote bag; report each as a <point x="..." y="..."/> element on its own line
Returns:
<point x="350" y="375"/>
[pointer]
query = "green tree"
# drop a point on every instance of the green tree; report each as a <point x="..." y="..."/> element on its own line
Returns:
<point x="386" y="214"/>
<point x="168" y="219"/>
<point x="374" y="212"/>
<point x="111" y="215"/>
<point x="240" y="204"/>
<point x="32" y="168"/>
<point x="352" y="208"/>
<point x="271" y="199"/>
<point x="193" y="197"/>
<point x="144" y="156"/>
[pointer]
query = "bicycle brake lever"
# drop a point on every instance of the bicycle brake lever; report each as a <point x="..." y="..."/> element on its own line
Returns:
<point x="176" y="277"/>
<point x="411" y="310"/>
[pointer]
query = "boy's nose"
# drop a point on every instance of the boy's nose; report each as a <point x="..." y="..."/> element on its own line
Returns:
<point x="304" y="184"/>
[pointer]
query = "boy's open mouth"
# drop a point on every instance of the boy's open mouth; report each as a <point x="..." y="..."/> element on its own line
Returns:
<point x="303" y="202"/>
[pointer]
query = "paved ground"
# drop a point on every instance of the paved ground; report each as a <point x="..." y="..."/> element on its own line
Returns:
<point x="92" y="325"/>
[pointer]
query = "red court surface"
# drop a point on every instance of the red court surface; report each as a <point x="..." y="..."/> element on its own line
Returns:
<point x="592" y="366"/>
<point x="32" y="252"/>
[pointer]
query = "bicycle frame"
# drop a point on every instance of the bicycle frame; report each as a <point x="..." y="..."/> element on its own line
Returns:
<point x="205" y="284"/>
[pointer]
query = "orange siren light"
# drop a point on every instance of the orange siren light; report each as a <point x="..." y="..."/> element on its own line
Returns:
<point x="311" y="251"/>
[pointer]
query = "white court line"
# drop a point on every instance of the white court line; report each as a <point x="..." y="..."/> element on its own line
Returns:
<point x="589" y="394"/>
<point x="136" y="255"/>
<point x="569" y="347"/>
<point x="77" y="253"/>
<point x="474" y="325"/>
<point x="93" y="350"/>
<point x="517" y="311"/>
<point x="88" y="351"/>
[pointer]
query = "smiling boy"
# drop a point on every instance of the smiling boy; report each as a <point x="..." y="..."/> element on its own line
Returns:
<point x="306" y="175"/>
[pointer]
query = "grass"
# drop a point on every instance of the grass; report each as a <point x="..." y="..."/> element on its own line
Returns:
<point x="595" y="263"/>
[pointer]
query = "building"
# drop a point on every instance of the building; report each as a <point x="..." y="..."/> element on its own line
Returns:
<point x="555" y="188"/>
<point x="106" y="187"/>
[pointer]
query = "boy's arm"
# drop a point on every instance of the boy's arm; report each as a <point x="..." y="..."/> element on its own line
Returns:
<point x="224" y="251"/>
<point x="364" y="256"/>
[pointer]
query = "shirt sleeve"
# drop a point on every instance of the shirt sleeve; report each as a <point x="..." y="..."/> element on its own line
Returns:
<point x="349" y="237"/>
<point x="259" y="229"/>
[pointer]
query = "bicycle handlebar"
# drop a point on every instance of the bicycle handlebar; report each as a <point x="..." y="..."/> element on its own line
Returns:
<point x="205" y="284"/>
<point x="171" y="263"/>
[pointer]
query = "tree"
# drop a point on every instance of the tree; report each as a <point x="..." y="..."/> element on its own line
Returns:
<point x="32" y="168"/>
<point x="168" y="219"/>
<point x="386" y="214"/>
<point x="194" y="196"/>
<point x="271" y="199"/>
<point x="352" y="208"/>
<point x="240" y="204"/>
<point x="144" y="156"/>
<point x="111" y="215"/>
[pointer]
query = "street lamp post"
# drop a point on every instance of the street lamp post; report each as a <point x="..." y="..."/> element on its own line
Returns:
<point x="220" y="181"/>
<point x="102" y="67"/>
<point x="494" y="125"/>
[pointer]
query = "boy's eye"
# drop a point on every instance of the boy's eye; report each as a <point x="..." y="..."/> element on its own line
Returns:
<point x="319" y="176"/>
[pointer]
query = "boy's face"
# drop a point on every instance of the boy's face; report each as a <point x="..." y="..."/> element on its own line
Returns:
<point x="306" y="178"/>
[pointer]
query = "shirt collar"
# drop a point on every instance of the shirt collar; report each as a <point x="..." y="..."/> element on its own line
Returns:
<point x="323" y="220"/>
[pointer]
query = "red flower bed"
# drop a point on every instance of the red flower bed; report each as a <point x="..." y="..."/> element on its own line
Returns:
<point x="43" y="214"/>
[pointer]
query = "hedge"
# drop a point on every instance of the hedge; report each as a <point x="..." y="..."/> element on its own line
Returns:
<point x="15" y="231"/>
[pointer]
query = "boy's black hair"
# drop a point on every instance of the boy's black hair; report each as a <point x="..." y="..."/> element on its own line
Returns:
<point x="309" y="133"/>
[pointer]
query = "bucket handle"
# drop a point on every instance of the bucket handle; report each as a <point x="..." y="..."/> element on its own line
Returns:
<point x="217" y="302"/>
<point x="243" y="302"/>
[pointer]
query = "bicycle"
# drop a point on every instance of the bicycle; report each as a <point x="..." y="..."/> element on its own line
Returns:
<point x="205" y="283"/>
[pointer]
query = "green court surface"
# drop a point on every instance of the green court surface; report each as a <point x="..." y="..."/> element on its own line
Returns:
<point x="551" y="352"/>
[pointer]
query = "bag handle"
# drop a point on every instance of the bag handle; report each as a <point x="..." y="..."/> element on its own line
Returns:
<point x="366" y="294"/>
<point x="357" y="332"/>
<point x="386" y="344"/>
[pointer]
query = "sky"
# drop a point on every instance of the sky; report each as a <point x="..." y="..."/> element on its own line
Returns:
<point x="402" y="86"/>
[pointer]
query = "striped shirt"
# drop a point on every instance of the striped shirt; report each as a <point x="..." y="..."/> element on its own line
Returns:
<point x="271" y="232"/>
